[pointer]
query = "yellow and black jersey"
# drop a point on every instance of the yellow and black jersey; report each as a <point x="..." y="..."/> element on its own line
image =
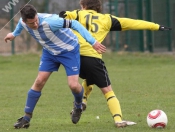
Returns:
<point x="100" y="24"/>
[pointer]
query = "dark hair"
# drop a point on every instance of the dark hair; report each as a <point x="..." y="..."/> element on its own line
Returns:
<point x="91" y="5"/>
<point x="28" y="12"/>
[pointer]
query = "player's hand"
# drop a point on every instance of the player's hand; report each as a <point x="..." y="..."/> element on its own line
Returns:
<point x="9" y="37"/>
<point x="163" y="28"/>
<point x="62" y="14"/>
<point x="99" y="47"/>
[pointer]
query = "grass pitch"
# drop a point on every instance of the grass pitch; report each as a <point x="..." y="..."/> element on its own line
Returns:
<point x="141" y="82"/>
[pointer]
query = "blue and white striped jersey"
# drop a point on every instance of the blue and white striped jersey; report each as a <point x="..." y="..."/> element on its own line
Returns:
<point x="51" y="34"/>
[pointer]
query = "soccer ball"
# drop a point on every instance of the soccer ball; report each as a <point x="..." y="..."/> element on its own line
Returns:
<point x="157" y="119"/>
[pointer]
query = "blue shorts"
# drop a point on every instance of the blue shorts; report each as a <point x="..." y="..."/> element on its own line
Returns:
<point x="70" y="60"/>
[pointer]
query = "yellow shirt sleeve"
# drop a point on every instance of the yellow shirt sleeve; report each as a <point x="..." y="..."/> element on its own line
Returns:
<point x="99" y="25"/>
<point x="71" y="15"/>
<point x="135" y="24"/>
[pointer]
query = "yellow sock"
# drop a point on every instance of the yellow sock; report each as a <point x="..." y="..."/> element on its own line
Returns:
<point x="87" y="91"/>
<point x="114" y="106"/>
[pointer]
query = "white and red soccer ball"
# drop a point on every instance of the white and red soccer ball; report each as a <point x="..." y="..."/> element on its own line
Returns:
<point x="157" y="119"/>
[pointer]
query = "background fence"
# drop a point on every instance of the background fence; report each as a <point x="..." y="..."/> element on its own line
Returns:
<point x="158" y="11"/>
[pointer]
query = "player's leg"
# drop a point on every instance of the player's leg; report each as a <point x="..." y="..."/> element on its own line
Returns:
<point x="33" y="96"/>
<point x="71" y="63"/>
<point x="114" y="107"/>
<point x="86" y="94"/>
<point x="45" y="70"/>
<point x="86" y="70"/>
<point x="100" y="78"/>
<point x="95" y="72"/>
<point x="113" y="103"/>
<point x="77" y="91"/>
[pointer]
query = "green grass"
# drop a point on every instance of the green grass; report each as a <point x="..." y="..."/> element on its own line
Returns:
<point x="142" y="82"/>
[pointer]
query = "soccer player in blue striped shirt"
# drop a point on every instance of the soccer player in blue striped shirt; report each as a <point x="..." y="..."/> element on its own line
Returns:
<point x="60" y="46"/>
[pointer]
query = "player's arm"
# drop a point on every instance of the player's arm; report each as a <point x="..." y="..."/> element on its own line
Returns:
<point x="16" y="32"/>
<point x="73" y="15"/>
<point x="75" y="25"/>
<point x="134" y="24"/>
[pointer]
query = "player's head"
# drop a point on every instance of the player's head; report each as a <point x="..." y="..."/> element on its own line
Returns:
<point x="29" y="16"/>
<point x="91" y="5"/>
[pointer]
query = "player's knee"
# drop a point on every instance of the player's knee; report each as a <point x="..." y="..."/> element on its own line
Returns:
<point x="39" y="83"/>
<point x="74" y="86"/>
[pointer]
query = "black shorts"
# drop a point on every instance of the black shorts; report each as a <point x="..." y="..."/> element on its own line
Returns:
<point x="94" y="71"/>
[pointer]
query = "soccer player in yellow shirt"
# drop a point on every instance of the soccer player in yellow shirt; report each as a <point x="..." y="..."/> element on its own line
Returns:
<point x="93" y="69"/>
